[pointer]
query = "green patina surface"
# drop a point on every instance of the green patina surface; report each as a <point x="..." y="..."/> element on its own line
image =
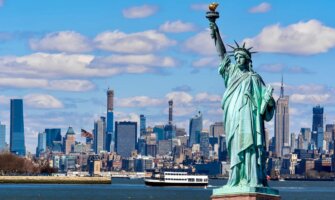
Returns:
<point x="247" y="103"/>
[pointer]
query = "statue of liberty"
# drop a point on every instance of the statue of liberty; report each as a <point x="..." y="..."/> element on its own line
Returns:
<point x="246" y="104"/>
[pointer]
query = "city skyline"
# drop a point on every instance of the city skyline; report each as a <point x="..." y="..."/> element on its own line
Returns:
<point x="66" y="57"/>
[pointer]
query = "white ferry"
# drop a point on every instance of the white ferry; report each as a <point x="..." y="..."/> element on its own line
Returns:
<point x="176" y="179"/>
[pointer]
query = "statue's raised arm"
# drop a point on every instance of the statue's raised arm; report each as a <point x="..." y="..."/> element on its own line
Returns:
<point x="212" y="15"/>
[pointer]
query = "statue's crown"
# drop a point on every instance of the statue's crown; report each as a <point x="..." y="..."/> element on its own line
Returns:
<point x="241" y="49"/>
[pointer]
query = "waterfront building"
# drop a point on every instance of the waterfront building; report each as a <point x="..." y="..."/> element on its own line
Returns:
<point x="307" y="134"/>
<point x="125" y="138"/>
<point x="282" y="126"/>
<point x="216" y="129"/>
<point x="319" y="138"/>
<point x="151" y="150"/>
<point x="99" y="135"/>
<point x="70" y="140"/>
<point x="159" y="131"/>
<point x="169" y="131"/>
<point x="164" y="147"/>
<point x="141" y="146"/>
<point x="330" y="130"/>
<point x="302" y="143"/>
<point x="41" y="144"/>
<point x="204" y="144"/>
<point x="317" y="118"/>
<point x="110" y="136"/>
<point x="223" y="151"/>
<point x="94" y="165"/>
<point x="144" y="163"/>
<point x="2" y="137"/>
<point x="142" y="125"/>
<point x="53" y="135"/>
<point x="128" y="164"/>
<point x="180" y="132"/>
<point x="195" y="128"/>
<point x="17" y="141"/>
<point x="293" y="142"/>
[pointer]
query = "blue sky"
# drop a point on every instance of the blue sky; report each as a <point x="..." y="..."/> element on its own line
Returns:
<point x="61" y="56"/>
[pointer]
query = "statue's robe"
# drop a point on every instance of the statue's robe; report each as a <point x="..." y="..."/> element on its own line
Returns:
<point x="245" y="105"/>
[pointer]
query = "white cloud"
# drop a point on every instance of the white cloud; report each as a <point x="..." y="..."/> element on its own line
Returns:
<point x="139" y="11"/>
<point x="261" y="8"/>
<point x="133" y="117"/>
<point x="201" y="43"/>
<point x="207" y="62"/>
<point x="53" y="65"/>
<point x="64" y="85"/>
<point x="179" y="97"/>
<point x="280" y="68"/>
<point x="64" y="41"/>
<point x="303" y="38"/>
<point x="201" y="7"/>
<point x="42" y="101"/>
<point x="71" y="85"/>
<point x="177" y="27"/>
<point x="181" y="111"/>
<point x="146" y="59"/>
<point x="310" y="98"/>
<point x="205" y="97"/>
<point x="23" y="82"/>
<point x="138" y="101"/>
<point x="140" y="42"/>
<point x="42" y="65"/>
<point x="4" y="99"/>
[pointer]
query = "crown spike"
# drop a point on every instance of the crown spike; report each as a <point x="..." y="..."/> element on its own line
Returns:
<point x="249" y="48"/>
<point x="243" y="44"/>
<point x="238" y="46"/>
<point x="231" y="46"/>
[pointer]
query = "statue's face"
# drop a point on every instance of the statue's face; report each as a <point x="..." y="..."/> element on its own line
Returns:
<point x="241" y="62"/>
<point x="240" y="59"/>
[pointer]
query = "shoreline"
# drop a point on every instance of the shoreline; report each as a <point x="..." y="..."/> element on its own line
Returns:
<point x="54" y="180"/>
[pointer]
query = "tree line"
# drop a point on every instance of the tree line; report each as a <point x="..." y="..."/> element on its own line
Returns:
<point x="11" y="164"/>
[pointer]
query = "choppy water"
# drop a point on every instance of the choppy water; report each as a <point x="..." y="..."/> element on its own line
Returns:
<point x="125" y="189"/>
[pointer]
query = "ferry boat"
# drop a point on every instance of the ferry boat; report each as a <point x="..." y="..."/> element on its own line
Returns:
<point x="176" y="179"/>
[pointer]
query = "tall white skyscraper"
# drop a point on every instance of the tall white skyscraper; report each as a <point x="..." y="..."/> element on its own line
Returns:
<point x="282" y="125"/>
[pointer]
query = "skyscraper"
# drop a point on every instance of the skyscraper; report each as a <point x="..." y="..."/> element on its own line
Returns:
<point x="100" y="134"/>
<point x="53" y="135"/>
<point x="282" y="126"/>
<point x="2" y="136"/>
<point x="195" y="129"/>
<point x="293" y="142"/>
<point x="170" y="111"/>
<point x="142" y="125"/>
<point x="204" y="144"/>
<point x="125" y="138"/>
<point x="41" y="144"/>
<point x="70" y="140"/>
<point x="306" y="133"/>
<point x="216" y="129"/>
<point x="17" y="144"/>
<point x="110" y="136"/>
<point x="317" y="118"/>
<point x="110" y="100"/>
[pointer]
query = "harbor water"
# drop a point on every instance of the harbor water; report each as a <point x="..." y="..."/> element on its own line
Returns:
<point x="125" y="189"/>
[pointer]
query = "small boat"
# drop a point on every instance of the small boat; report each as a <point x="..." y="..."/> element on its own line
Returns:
<point x="176" y="179"/>
<point x="134" y="176"/>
